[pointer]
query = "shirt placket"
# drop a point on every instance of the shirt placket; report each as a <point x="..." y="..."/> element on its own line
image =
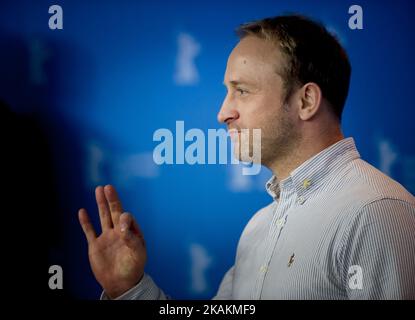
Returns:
<point x="277" y="224"/>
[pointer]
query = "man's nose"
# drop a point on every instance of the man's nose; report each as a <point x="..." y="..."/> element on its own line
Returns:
<point x="227" y="112"/>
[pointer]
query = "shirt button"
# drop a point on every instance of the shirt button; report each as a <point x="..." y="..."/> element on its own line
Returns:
<point x="280" y="222"/>
<point x="300" y="200"/>
<point x="263" y="269"/>
<point x="306" y="183"/>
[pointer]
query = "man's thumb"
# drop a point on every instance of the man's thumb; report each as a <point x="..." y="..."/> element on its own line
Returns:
<point x="126" y="220"/>
<point x="127" y="228"/>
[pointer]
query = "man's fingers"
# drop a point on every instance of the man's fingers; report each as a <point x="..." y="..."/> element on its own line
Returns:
<point x="103" y="208"/>
<point x="87" y="226"/>
<point x="114" y="203"/>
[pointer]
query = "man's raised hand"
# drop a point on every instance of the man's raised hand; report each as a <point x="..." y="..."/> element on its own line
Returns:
<point x="118" y="255"/>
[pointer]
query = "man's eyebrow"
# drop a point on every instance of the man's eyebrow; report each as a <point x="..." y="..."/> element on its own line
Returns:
<point x="235" y="83"/>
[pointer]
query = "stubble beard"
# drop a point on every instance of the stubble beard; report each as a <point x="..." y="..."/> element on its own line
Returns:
<point x="280" y="141"/>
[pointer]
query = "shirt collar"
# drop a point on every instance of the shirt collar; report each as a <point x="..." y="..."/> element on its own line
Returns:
<point x="309" y="175"/>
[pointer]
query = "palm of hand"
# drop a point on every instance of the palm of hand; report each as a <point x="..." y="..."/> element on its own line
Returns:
<point x="111" y="258"/>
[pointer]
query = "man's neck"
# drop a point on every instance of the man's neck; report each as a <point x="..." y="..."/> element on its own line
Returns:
<point x="305" y="150"/>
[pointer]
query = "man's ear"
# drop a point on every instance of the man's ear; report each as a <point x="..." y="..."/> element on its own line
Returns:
<point x="311" y="97"/>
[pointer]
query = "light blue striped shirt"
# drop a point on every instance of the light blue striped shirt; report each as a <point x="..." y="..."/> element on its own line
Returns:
<point x="338" y="228"/>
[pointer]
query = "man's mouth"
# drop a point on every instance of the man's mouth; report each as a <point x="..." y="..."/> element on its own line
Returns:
<point x="233" y="133"/>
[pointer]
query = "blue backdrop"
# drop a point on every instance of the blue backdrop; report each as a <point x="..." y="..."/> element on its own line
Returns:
<point x="119" y="70"/>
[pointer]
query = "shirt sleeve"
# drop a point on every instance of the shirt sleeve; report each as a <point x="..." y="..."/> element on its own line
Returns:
<point x="378" y="260"/>
<point x="146" y="289"/>
<point x="225" y="288"/>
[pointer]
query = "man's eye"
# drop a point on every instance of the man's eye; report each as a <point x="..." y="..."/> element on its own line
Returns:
<point x="241" y="91"/>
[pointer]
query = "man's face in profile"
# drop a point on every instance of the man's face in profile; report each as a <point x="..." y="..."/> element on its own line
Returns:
<point x="255" y="98"/>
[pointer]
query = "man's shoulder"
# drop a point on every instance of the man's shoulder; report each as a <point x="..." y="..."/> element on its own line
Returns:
<point x="361" y="183"/>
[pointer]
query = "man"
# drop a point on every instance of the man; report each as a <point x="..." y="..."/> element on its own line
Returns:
<point x="337" y="229"/>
